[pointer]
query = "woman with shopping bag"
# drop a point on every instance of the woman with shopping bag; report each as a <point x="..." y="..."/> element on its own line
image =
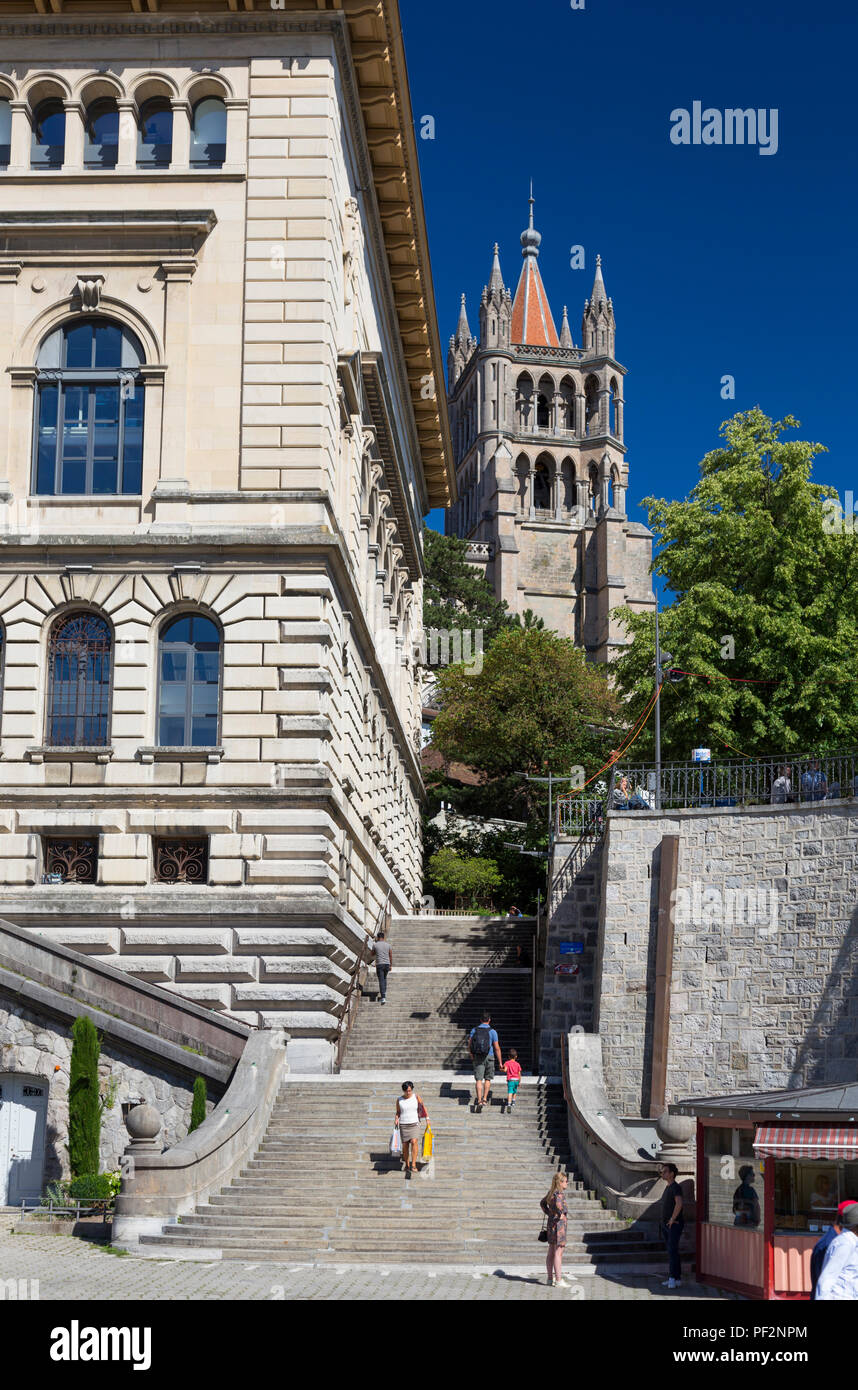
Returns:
<point x="410" y="1110"/>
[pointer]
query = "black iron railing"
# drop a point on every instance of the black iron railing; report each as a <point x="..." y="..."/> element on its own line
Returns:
<point x="775" y="780"/>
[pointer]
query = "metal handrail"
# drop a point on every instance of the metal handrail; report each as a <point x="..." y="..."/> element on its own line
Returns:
<point x="347" y="1017"/>
<point x="811" y="778"/>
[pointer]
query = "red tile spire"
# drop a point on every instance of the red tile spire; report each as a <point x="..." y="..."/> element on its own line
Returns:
<point x="532" y="323"/>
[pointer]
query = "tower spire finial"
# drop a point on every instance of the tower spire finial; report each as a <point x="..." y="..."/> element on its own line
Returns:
<point x="530" y="239"/>
<point x="463" y="331"/>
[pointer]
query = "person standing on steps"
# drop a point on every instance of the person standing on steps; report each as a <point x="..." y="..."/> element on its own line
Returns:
<point x="482" y="1043"/>
<point x="383" y="953"/>
<point x="554" y="1206"/>
<point x="672" y="1222"/>
<point x="512" y="1067"/>
<point x="410" y="1110"/>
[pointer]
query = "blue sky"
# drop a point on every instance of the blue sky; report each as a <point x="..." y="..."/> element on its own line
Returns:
<point x="720" y="260"/>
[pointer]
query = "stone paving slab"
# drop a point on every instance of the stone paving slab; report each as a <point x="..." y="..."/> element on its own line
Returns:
<point x="67" y="1269"/>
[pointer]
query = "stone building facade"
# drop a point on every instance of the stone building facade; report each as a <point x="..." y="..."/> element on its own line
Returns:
<point x="220" y="427"/>
<point x="538" y="434"/>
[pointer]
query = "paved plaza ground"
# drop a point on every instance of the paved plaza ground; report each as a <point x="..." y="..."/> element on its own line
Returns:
<point x="69" y="1269"/>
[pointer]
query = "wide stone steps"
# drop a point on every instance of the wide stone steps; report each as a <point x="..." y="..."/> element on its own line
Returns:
<point x="323" y="1185"/>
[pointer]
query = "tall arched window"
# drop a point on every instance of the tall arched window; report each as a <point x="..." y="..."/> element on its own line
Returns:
<point x="47" y="149"/>
<point x="101" y="150"/>
<point x="189" y="666"/>
<point x="155" y="134"/>
<point x="5" y="132"/>
<point x="89" y="411"/>
<point x="208" y="133"/>
<point x="79" y="652"/>
<point x="542" y="485"/>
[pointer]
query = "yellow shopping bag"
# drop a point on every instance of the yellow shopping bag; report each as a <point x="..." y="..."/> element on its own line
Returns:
<point x="427" y="1142"/>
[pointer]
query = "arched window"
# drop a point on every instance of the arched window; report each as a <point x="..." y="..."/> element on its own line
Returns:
<point x="208" y="134"/>
<point x="79" y="650"/>
<point x="89" y="410"/>
<point x="567" y="404"/>
<point x="189" y="665"/>
<point x="591" y="396"/>
<point x="545" y="404"/>
<point x="542" y="485"/>
<point x="522" y="473"/>
<point x="155" y="134"/>
<point x="2" y="662"/>
<point x="523" y="401"/>
<point x="5" y="132"/>
<point x="101" y="150"/>
<point x="593" y="476"/>
<point x="47" y="149"/>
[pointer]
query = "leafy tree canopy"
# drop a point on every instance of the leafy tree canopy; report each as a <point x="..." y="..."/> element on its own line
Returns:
<point x="535" y="707"/>
<point x="766" y="589"/>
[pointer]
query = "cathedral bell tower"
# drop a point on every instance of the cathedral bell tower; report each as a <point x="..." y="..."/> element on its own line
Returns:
<point x="538" y="434"/>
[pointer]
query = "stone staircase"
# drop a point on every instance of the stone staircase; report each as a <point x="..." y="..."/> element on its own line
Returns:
<point x="324" y="1188"/>
<point x="445" y="972"/>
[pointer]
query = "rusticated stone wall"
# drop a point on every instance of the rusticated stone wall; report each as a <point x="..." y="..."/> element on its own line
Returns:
<point x="765" y="962"/>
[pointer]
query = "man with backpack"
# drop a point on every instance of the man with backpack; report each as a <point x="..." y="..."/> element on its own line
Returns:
<point x="482" y="1042"/>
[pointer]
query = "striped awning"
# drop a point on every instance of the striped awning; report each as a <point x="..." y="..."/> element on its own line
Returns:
<point x="807" y="1141"/>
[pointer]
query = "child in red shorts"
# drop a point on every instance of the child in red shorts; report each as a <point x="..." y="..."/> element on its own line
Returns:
<point x="512" y="1068"/>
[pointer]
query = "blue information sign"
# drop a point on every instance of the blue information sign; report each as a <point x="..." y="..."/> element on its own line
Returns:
<point x="571" y="948"/>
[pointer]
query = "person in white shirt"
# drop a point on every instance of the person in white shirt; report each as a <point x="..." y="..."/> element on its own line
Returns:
<point x="839" y="1278"/>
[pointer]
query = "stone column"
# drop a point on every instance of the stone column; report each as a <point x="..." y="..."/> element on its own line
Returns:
<point x="531" y="490"/>
<point x="581" y="414"/>
<point x="620" y="498"/>
<point x="178" y="275"/>
<point x="618" y="413"/>
<point x="558" y="491"/>
<point x="181" y="152"/>
<point x="73" y="157"/>
<point x="127" y="154"/>
<point x="22" y="134"/>
<point x="236" y="128"/>
<point x="604" y="393"/>
<point x="583" y="490"/>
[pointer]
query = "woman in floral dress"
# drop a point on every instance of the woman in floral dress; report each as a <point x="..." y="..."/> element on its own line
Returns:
<point x="554" y="1206"/>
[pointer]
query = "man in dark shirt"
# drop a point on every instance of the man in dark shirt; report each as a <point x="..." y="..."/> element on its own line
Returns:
<point x="820" y="1249"/>
<point x="672" y="1222"/>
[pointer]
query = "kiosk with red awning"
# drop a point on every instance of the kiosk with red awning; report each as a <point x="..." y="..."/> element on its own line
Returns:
<point x="772" y="1168"/>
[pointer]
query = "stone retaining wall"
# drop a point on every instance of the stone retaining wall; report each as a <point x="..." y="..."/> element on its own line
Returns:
<point x="763" y="991"/>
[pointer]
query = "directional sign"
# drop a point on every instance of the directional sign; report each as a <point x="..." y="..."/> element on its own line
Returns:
<point x="571" y="948"/>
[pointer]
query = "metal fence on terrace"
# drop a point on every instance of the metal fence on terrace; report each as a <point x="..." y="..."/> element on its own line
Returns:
<point x="783" y="780"/>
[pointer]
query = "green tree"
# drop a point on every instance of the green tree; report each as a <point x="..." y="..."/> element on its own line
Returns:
<point x="764" y="591"/>
<point x="85" y="1104"/>
<point x="456" y="596"/>
<point x="468" y="879"/>
<point x="198" y="1104"/>
<point x="536" y="706"/>
<point x="522" y="876"/>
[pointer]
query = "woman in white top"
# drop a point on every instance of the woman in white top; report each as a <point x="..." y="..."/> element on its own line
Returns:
<point x="410" y="1110"/>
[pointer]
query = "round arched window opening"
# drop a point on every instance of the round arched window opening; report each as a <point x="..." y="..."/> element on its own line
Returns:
<point x="89" y="411"/>
<point x="208" y="134"/>
<point x="102" y="134"/>
<point x="47" y="149"/>
<point x="155" y="134"/>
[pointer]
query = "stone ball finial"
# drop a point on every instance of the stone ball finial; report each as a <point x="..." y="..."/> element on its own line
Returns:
<point x="676" y="1133"/>
<point x="143" y="1123"/>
